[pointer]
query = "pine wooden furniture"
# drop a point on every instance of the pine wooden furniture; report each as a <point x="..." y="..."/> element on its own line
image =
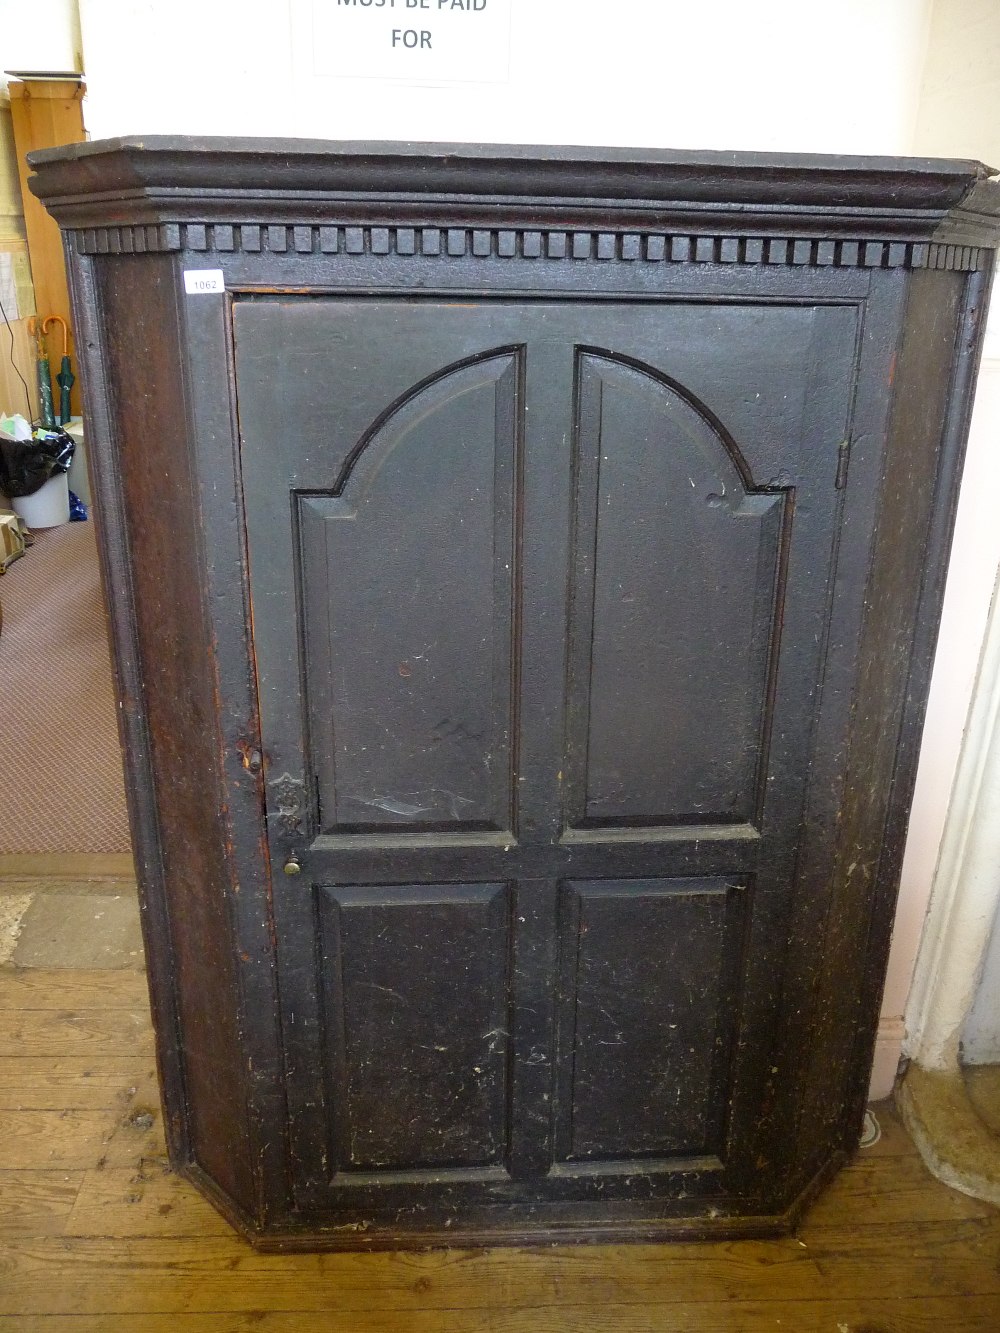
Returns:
<point x="525" y="575"/>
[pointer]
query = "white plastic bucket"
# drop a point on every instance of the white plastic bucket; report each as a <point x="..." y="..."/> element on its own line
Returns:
<point x="48" y="507"/>
<point x="79" y="481"/>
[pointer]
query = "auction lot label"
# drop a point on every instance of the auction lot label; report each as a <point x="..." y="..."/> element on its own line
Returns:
<point x="464" y="41"/>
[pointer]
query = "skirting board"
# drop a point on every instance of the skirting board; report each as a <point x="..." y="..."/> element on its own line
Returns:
<point x="70" y="865"/>
<point x="888" y="1050"/>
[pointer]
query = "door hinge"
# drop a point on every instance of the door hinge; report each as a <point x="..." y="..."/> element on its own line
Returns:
<point x="843" y="460"/>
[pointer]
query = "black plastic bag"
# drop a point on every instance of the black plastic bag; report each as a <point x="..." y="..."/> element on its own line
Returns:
<point x="26" y="465"/>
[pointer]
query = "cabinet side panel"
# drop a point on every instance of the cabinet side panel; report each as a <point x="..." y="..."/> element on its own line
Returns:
<point x="107" y="516"/>
<point x="161" y="509"/>
<point x="916" y="506"/>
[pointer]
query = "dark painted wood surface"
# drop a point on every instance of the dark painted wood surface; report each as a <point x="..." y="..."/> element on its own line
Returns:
<point x="416" y="986"/>
<point x="648" y="987"/>
<point x="407" y="583"/>
<point x="555" y="596"/>
<point x="677" y="559"/>
<point x="181" y="718"/>
<point x="443" y="689"/>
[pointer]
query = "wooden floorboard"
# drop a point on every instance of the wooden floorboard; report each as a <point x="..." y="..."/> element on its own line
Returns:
<point x="75" y="1083"/>
<point x="61" y="989"/>
<point x="890" y="1190"/>
<point x="37" y="1203"/>
<point x="98" y="1236"/>
<point x="737" y="1316"/>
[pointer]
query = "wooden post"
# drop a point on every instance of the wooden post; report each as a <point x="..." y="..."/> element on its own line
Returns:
<point x="47" y="113"/>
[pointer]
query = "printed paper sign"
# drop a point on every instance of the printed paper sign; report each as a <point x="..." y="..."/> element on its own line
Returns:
<point x="8" y="287"/>
<point x="425" y="40"/>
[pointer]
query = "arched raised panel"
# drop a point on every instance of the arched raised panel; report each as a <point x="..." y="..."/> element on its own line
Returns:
<point x="673" y="620"/>
<point x="407" y="576"/>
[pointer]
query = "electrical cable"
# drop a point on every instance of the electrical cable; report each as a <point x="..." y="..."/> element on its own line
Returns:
<point x="27" y="391"/>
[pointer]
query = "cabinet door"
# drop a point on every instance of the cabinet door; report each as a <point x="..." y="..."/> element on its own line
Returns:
<point x="539" y="599"/>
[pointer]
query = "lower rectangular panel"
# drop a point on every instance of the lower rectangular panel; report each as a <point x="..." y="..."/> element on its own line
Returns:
<point x="415" y="988"/>
<point x="649" y="984"/>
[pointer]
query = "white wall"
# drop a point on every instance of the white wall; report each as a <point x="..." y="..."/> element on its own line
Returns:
<point x="981" y="1034"/>
<point x="959" y="103"/>
<point x="39" y="35"/>
<point x="777" y="75"/>
<point x="971" y="581"/>
<point x="959" y="113"/>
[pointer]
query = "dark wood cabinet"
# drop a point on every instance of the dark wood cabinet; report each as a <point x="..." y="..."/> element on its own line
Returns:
<point x="524" y="567"/>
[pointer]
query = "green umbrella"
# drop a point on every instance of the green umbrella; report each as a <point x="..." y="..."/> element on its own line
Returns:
<point x="44" y="374"/>
<point x="65" y="379"/>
